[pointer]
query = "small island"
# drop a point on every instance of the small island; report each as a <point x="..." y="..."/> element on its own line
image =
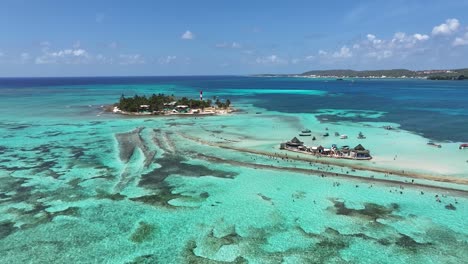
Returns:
<point x="161" y="104"/>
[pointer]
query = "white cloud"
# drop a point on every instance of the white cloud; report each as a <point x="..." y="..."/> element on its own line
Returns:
<point x="461" y="41"/>
<point x="451" y="25"/>
<point x="188" y="35"/>
<point x="401" y="40"/>
<point x="131" y="59"/>
<point x="66" y="56"/>
<point x="421" y="37"/>
<point x="343" y="53"/>
<point x="24" y="56"/>
<point x="236" y="45"/>
<point x="167" y="59"/>
<point x="322" y="53"/>
<point x="384" y="54"/>
<point x="271" y="60"/>
<point x="233" y="45"/>
<point x="372" y="38"/>
<point x="69" y="52"/>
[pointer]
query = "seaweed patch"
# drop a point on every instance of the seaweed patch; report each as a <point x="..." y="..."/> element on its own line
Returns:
<point x="144" y="232"/>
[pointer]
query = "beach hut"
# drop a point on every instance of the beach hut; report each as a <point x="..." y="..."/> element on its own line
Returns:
<point x="319" y="149"/>
<point x="294" y="143"/>
<point x="359" y="152"/>
<point x="143" y="108"/>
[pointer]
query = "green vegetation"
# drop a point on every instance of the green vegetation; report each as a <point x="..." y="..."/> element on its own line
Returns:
<point x="447" y="77"/>
<point x="362" y="74"/>
<point x="161" y="102"/>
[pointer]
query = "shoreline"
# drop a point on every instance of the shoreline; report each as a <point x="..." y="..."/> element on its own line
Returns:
<point x="210" y="112"/>
<point x="408" y="175"/>
<point x="317" y="173"/>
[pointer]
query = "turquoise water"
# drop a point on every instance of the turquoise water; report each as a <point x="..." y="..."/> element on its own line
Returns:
<point x="78" y="184"/>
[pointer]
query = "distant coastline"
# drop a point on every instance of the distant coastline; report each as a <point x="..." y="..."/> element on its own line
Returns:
<point x="448" y="74"/>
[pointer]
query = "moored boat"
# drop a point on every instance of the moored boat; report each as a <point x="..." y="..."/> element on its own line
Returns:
<point x="463" y="146"/>
<point x="343" y="137"/>
<point x="326" y="134"/>
<point x="305" y="132"/>
<point x="361" y="136"/>
<point x="430" y="143"/>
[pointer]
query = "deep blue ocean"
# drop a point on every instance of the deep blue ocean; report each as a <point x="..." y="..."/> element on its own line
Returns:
<point x="435" y="109"/>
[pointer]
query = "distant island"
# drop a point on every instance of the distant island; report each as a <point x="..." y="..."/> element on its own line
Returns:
<point x="161" y="104"/>
<point x="453" y="74"/>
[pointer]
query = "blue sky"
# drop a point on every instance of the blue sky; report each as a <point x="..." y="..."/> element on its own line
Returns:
<point x="95" y="38"/>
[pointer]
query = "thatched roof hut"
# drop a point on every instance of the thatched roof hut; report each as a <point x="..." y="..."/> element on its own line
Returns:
<point x="359" y="147"/>
<point x="361" y="152"/>
<point x="294" y="142"/>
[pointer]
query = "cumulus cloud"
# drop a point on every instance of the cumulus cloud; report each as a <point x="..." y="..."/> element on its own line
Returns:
<point x="322" y="53"/>
<point x="187" y="35"/>
<point x="401" y="40"/>
<point x="383" y="54"/>
<point x="373" y="47"/>
<point x="271" y="60"/>
<point x="420" y="37"/>
<point x="167" y="59"/>
<point x="343" y="53"/>
<point x="372" y="38"/>
<point x="102" y="59"/>
<point x="451" y="25"/>
<point x="67" y="56"/>
<point x="131" y="59"/>
<point x="461" y="41"/>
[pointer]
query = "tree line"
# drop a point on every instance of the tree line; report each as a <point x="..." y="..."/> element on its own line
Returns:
<point x="160" y="102"/>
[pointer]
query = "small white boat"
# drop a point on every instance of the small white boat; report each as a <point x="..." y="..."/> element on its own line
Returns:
<point x="343" y="137"/>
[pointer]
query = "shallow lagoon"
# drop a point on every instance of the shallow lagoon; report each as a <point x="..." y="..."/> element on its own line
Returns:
<point x="81" y="185"/>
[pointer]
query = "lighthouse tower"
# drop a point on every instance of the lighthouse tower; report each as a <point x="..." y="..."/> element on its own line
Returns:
<point x="201" y="95"/>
